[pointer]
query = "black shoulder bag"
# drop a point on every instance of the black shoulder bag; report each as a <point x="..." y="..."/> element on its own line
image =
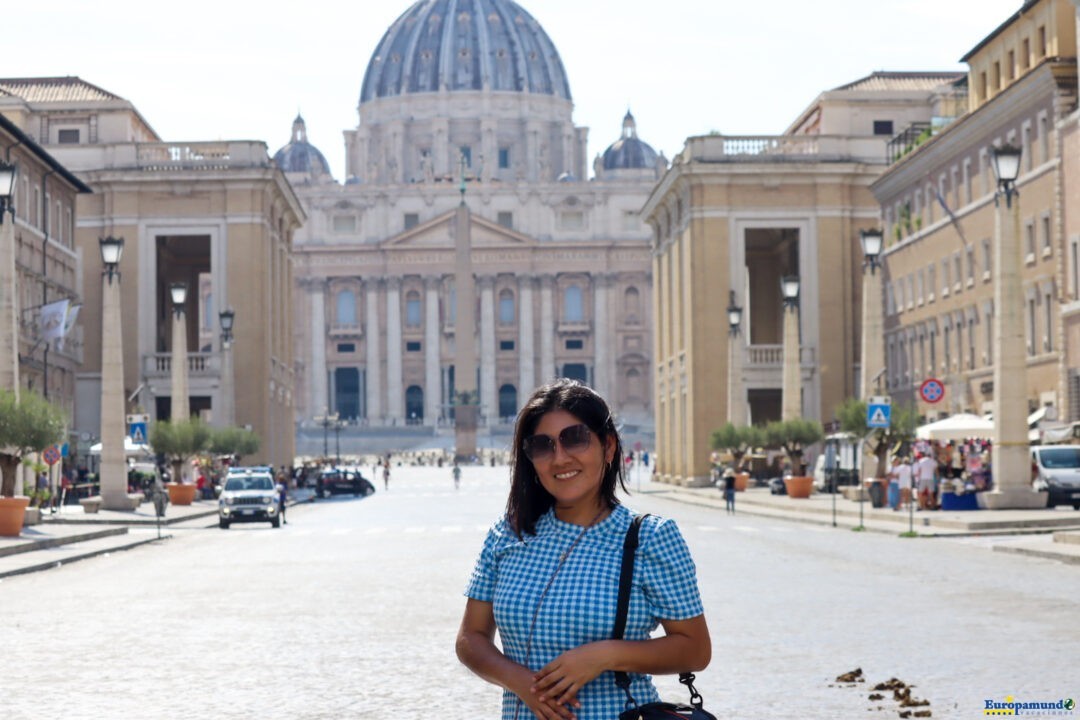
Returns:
<point x="656" y="710"/>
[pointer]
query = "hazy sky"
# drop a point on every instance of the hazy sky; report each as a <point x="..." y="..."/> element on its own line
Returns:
<point x="202" y="70"/>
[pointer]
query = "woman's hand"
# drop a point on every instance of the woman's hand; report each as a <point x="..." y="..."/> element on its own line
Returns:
<point x="562" y="678"/>
<point x="544" y="708"/>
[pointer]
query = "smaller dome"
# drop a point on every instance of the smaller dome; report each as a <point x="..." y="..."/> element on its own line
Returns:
<point x="300" y="156"/>
<point x="628" y="152"/>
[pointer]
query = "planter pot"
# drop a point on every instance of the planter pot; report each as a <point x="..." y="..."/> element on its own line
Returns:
<point x="742" y="481"/>
<point x="798" y="486"/>
<point x="12" y="514"/>
<point x="181" y="494"/>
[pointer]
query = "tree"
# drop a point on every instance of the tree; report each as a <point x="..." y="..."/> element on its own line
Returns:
<point x="179" y="441"/>
<point x="793" y="437"/>
<point x="234" y="441"/>
<point x="852" y="417"/>
<point x="27" y="425"/>
<point x="738" y="441"/>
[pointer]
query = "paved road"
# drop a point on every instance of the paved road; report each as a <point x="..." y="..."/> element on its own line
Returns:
<point x="350" y="611"/>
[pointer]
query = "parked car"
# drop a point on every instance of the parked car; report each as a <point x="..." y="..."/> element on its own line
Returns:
<point x="249" y="495"/>
<point x="333" y="481"/>
<point x="1056" y="468"/>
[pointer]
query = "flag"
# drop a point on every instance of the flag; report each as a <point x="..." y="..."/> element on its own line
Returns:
<point x="952" y="217"/>
<point x="69" y="322"/>
<point x="52" y="319"/>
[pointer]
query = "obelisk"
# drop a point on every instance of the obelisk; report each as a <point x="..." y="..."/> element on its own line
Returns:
<point x="466" y="400"/>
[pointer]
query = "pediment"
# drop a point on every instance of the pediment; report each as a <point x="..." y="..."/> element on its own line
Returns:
<point x="439" y="232"/>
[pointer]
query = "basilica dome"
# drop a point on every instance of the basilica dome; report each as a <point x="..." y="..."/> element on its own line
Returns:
<point x="300" y="156"/>
<point x="629" y="152"/>
<point x="465" y="45"/>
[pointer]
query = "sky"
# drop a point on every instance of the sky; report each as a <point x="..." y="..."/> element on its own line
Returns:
<point x="213" y="70"/>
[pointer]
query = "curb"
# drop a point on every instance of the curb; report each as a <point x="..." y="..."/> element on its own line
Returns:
<point x="76" y="558"/>
<point x="1044" y="554"/>
<point x="47" y="543"/>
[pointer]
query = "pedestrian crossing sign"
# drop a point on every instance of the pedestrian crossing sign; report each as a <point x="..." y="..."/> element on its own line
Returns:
<point x="879" y="412"/>
<point x="138" y="433"/>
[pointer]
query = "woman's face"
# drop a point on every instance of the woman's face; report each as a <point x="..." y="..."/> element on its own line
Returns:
<point x="573" y="477"/>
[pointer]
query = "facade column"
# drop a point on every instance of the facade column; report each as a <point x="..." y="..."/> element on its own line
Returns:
<point x="395" y="393"/>
<point x="180" y="401"/>
<point x="9" y="319"/>
<point x="547" y="329"/>
<point x="526" y="353"/>
<point x="791" y="403"/>
<point x="489" y="400"/>
<point x="374" y="374"/>
<point x="318" y="397"/>
<point x="432" y="354"/>
<point x="601" y="347"/>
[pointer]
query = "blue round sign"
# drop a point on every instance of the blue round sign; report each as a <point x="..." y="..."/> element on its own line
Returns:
<point x="932" y="390"/>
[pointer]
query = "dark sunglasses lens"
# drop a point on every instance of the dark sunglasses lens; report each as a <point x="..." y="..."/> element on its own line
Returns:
<point x="575" y="437"/>
<point x="538" y="446"/>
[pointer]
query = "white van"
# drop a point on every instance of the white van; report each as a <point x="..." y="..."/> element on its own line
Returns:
<point x="1057" y="468"/>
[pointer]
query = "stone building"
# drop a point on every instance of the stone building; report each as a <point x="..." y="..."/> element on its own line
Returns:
<point x="218" y="216"/>
<point x="732" y="217"/>
<point x="470" y="101"/>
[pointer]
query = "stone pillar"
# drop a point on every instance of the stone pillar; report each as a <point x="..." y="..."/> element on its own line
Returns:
<point x="432" y="355"/>
<point x="601" y="346"/>
<point x="1011" y="459"/>
<point x="489" y="399"/>
<point x="737" y="415"/>
<point x="872" y="359"/>
<point x="113" y="471"/>
<point x="318" y="396"/>
<point x="547" y="329"/>
<point x="395" y="393"/>
<point x="228" y="387"/>
<point x="526" y="353"/>
<point x="792" y="386"/>
<point x="9" y="320"/>
<point x="179" y="390"/>
<point x="465" y="409"/>
<point x="375" y="381"/>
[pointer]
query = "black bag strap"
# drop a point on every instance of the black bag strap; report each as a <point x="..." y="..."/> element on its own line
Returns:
<point x="622" y="609"/>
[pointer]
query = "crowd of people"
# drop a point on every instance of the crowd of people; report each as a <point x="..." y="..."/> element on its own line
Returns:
<point x="936" y="468"/>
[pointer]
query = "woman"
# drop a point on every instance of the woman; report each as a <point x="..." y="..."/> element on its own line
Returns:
<point x="548" y="575"/>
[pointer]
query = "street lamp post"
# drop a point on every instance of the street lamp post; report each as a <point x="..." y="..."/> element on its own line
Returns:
<point x="226" y="319"/>
<point x="1011" y="464"/>
<point x="338" y="424"/>
<point x="792" y="385"/>
<point x="178" y="292"/>
<point x="112" y="473"/>
<point x="736" y="395"/>
<point x="873" y="350"/>
<point x="9" y="325"/>
<point x="326" y="421"/>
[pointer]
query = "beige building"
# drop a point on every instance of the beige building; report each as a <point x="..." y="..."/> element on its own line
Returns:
<point x="561" y="261"/>
<point x="735" y="214"/>
<point x="218" y="216"/>
<point x="938" y="206"/>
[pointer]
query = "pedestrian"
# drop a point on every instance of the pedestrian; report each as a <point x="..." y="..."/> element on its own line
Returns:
<point x="729" y="490"/>
<point x="904" y="474"/>
<point x="537" y="581"/>
<point x="282" y="488"/>
<point x="457" y="475"/>
<point x="386" y="475"/>
<point x="926" y="468"/>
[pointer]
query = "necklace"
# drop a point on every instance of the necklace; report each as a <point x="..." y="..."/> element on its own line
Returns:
<point x="551" y="580"/>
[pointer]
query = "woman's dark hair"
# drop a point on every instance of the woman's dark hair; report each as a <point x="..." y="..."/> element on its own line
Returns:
<point x="528" y="499"/>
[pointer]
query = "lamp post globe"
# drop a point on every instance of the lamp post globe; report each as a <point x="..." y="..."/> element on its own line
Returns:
<point x="789" y="290"/>
<point x="734" y="315"/>
<point x="8" y="171"/>
<point x="178" y="292"/>
<point x="1005" y="161"/>
<point x="872" y="242"/>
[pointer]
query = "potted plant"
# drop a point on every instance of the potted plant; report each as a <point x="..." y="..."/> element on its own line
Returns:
<point x="738" y="441"/>
<point x="28" y="424"/>
<point x="179" y="442"/>
<point x="793" y="437"/>
<point x="852" y="417"/>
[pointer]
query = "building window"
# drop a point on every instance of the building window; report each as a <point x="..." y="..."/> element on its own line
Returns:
<point x="68" y="137"/>
<point x="466" y="153"/>
<point x="1010" y="65"/>
<point x="989" y="315"/>
<point x="573" y="305"/>
<point x="1031" y="318"/>
<point x="988" y="258"/>
<point x="1044" y="138"/>
<point x="412" y="309"/>
<point x="343" y="224"/>
<point x="970" y="266"/>
<point x="506" y="307"/>
<point x="958" y="271"/>
<point x="1042" y="41"/>
<point x="931" y="282"/>
<point x="883" y="127"/>
<point x="411" y="220"/>
<point x="504" y="158"/>
<point x="346" y="308"/>
<point x="945" y="340"/>
<point x="508" y="405"/>
<point x="507" y="345"/>
<point x="346" y="347"/>
<point x="996" y="77"/>
<point x="1048" y="319"/>
<point x="1025" y="54"/>
<point x="1046" y="242"/>
<point x="1029" y="241"/>
<point x="971" y="343"/>
<point x="412" y="346"/>
<point x="575" y="344"/>
<point x="571" y="220"/>
<point x="506" y="219"/>
<point x="982" y="86"/>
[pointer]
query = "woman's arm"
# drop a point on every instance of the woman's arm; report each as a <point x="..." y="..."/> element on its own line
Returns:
<point x="684" y="647"/>
<point x="477" y="651"/>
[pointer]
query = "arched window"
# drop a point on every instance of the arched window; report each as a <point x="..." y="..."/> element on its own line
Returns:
<point x="573" y="306"/>
<point x="412" y="309"/>
<point x="346" y="308"/>
<point x="508" y="401"/>
<point x="506" y="307"/>
<point x="632" y="305"/>
<point x="414" y="405"/>
<point x="635" y="388"/>
<point x="451" y="309"/>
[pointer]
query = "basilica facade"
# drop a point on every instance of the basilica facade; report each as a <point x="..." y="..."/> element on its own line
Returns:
<point x="469" y="103"/>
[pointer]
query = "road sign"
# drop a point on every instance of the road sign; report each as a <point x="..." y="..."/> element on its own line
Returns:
<point x="51" y="455"/>
<point x="932" y="390"/>
<point x="135" y="419"/>
<point x="137" y="432"/>
<point x="879" y="412"/>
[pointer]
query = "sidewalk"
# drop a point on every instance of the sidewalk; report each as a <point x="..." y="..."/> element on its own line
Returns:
<point x="71" y="534"/>
<point x="1047" y="533"/>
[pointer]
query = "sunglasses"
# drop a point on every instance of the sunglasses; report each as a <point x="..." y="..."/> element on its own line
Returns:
<point x="574" y="439"/>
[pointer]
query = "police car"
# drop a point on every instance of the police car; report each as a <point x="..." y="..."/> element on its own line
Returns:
<point x="249" y="495"/>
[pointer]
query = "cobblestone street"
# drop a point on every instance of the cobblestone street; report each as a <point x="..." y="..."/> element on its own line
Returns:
<point x="350" y="611"/>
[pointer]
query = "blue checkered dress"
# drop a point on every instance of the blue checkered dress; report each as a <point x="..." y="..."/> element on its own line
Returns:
<point x="580" y="606"/>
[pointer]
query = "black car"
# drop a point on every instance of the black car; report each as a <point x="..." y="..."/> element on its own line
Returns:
<point x="342" y="480"/>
